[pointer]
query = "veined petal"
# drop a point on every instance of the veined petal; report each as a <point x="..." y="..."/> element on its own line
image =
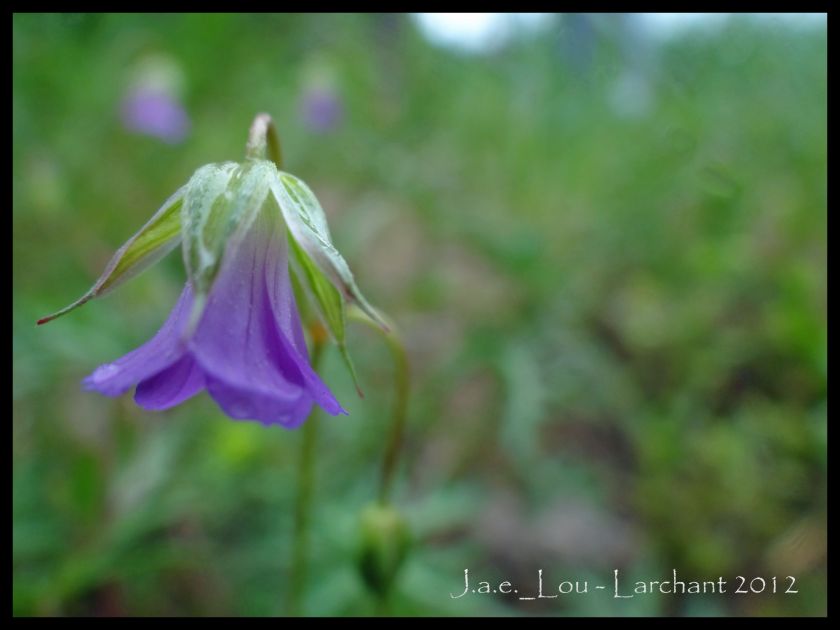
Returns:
<point x="154" y="356"/>
<point x="244" y="403"/>
<point x="281" y="299"/>
<point x="172" y="386"/>
<point x="253" y="355"/>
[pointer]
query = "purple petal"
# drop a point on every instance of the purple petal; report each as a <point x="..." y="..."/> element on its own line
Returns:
<point x="180" y="381"/>
<point x="281" y="297"/>
<point x="248" y="349"/>
<point x="157" y="354"/>
<point x="255" y="363"/>
<point x="245" y="403"/>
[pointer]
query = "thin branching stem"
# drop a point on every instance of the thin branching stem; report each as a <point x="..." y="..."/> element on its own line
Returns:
<point x="303" y="501"/>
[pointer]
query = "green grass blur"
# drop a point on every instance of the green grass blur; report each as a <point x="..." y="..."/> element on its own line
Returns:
<point x="615" y="307"/>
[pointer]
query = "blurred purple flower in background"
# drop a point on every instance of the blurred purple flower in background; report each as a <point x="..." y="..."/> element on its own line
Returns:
<point x="151" y="105"/>
<point x="321" y="108"/>
<point x="155" y="113"/>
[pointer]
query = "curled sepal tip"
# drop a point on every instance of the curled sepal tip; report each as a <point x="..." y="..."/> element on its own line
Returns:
<point x="152" y="242"/>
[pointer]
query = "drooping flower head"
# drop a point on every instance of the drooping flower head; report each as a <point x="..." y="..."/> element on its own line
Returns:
<point x="235" y="331"/>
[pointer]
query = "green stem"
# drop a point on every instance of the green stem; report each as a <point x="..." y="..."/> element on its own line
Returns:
<point x="383" y="604"/>
<point x="263" y="141"/>
<point x="303" y="502"/>
<point x="399" y="411"/>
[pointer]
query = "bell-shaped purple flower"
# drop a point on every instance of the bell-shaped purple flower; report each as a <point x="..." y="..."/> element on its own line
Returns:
<point x="246" y="229"/>
<point x="247" y="350"/>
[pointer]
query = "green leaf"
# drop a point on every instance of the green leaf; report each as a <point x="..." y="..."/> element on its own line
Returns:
<point x="308" y="225"/>
<point x="328" y="301"/>
<point x="221" y="204"/>
<point x="157" y="238"/>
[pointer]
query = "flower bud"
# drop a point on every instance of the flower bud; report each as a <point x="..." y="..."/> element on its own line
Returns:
<point x="384" y="544"/>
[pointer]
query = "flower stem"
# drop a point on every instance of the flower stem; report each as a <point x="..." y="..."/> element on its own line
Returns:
<point x="263" y="141"/>
<point x="303" y="502"/>
<point x="399" y="410"/>
<point x="399" y="413"/>
<point x="383" y="605"/>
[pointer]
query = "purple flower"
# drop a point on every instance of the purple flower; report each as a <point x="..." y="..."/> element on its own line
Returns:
<point x="247" y="351"/>
<point x="321" y="109"/>
<point x="155" y="112"/>
<point x="236" y="330"/>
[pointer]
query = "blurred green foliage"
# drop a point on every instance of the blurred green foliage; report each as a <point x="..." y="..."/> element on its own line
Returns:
<point x="616" y="318"/>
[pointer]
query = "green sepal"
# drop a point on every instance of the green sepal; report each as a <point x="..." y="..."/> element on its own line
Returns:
<point x="221" y="204"/>
<point x="302" y="300"/>
<point x="308" y="225"/>
<point x="328" y="301"/>
<point x="152" y="242"/>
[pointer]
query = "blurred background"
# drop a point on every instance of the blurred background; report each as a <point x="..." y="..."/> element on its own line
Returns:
<point x="604" y="237"/>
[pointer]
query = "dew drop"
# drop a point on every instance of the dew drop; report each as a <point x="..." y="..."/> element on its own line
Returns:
<point x="240" y="409"/>
<point x="105" y="371"/>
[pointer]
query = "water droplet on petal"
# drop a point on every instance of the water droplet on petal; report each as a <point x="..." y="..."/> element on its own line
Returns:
<point x="240" y="409"/>
<point x="105" y="371"/>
